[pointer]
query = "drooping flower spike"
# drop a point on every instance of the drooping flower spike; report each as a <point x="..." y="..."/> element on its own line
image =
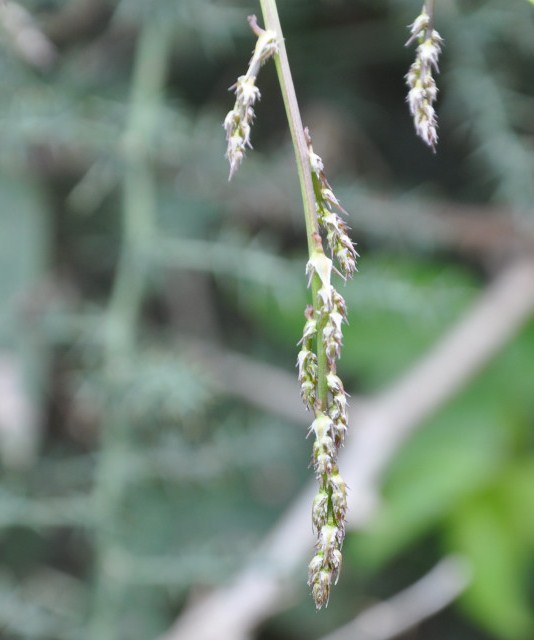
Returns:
<point x="422" y="87"/>
<point x="238" y="122"/>
<point x="323" y="332"/>
<point x="322" y="390"/>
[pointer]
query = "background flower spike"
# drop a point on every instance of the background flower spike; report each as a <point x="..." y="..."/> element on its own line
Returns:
<point x="422" y="87"/>
<point x="238" y="122"/>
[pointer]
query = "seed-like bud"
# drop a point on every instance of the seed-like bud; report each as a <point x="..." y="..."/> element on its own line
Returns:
<point x="307" y="376"/>
<point x="339" y="429"/>
<point x="429" y="50"/>
<point x="321" y="588"/>
<point x="339" y="505"/>
<point x="325" y="568"/>
<point x="308" y="391"/>
<point x="231" y="122"/>
<point x="335" y="386"/>
<point x="310" y="328"/>
<point x="337" y="484"/>
<point x="306" y="363"/>
<point x="321" y="425"/>
<point x="339" y="304"/>
<point x="328" y="541"/>
<point x="340" y="402"/>
<point x="329" y="197"/>
<point x="336" y="320"/>
<point x="419" y="26"/>
<point x="333" y="337"/>
<point x="346" y="255"/>
<point x="316" y="164"/>
<point x="320" y="510"/>
<point x="266" y="47"/>
<point x="324" y="296"/>
<point x="324" y="445"/>
<point x="314" y="567"/>
<point x="336" y="561"/>
<point x="333" y="225"/>
<point x="323" y="464"/>
<point x="246" y="91"/>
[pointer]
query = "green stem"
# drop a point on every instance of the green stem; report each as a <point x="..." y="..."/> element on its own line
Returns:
<point x="429" y="8"/>
<point x="315" y="245"/>
<point x="272" y="23"/>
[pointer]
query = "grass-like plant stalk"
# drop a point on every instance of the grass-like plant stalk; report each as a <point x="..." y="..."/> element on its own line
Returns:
<point x="322" y="390"/>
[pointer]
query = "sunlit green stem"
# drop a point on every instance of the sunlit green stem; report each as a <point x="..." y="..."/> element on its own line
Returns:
<point x="315" y="246"/>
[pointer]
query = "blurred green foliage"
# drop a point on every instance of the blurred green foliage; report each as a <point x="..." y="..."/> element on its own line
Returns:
<point x="129" y="478"/>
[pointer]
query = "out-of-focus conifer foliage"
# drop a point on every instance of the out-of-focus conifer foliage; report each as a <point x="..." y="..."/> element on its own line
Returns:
<point x="135" y="470"/>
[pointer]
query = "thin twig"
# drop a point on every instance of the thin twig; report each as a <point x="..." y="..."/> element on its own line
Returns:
<point x="243" y="377"/>
<point x="26" y="37"/>
<point x="404" y="611"/>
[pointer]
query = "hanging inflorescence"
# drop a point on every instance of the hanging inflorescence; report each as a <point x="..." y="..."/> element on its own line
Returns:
<point x="323" y="333"/>
<point x="423" y="91"/>
<point x="321" y="388"/>
<point x="238" y="122"/>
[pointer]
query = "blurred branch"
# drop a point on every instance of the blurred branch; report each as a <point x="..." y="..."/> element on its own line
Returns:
<point x="25" y="36"/>
<point x="475" y="231"/>
<point x="45" y="512"/>
<point x="47" y="604"/>
<point x="432" y="593"/>
<point x="138" y="217"/>
<point x="413" y="221"/>
<point x="382" y="425"/>
<point x="222" y="258"/>
<point x="247" y="379"/>
<point x="18" y="415"/>
<point x="482" y="98"/>
<point x="172" y="571"/>
<point x="78" y="19"/>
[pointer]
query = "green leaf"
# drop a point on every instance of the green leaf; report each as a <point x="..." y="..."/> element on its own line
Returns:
<point x="497" y="597"/>
<point x="517" y="498"/>
<point x="453" y="458"/>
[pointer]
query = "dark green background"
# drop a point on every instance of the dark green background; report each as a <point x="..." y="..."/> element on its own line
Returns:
<point x="127" y="262"/>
